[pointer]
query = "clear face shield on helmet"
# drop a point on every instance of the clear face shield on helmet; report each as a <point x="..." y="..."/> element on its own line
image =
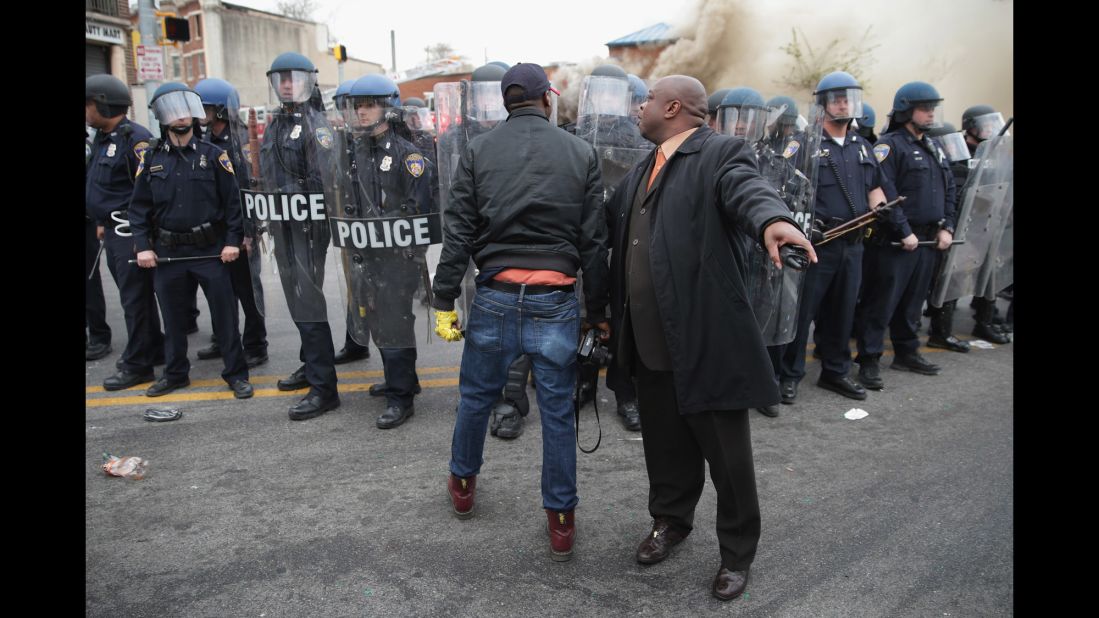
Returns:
<point x="418" y="119"/>
<point x="746" y="122"/>
<point x="927" y="115"/>
<point x="987" y="126"/>
<point x="178" y="105"/>
<point x="604" y="96"/>
<point x="365" y="113"/>
<point x="486" y="104"/>
<point x="292" y="86"/>
<point x="954" y="146"/>
<point x="843" y="104"/>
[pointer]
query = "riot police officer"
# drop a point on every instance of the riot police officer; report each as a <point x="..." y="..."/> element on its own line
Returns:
<point x="297" y="156"/>
<point x="896" y="279"/>
<point x="390" y="177"/>
<point x="713" y="103"/>
<point x="849" y="183"/>
<point x="980" y="123"/>
<point x="186" y="209"/>
<point x="222" y="128"/>
<point x="119" y="144"/>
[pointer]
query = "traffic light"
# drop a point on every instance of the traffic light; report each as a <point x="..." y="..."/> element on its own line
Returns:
<point x="340" y="52"/>
<point x="175" y="29"/>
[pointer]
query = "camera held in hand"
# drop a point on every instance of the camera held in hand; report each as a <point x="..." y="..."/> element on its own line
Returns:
<point x="592" y="350"/>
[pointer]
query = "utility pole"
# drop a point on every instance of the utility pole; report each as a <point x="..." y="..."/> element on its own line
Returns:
<point x="393" y="50"/>
<point x="147" y="25"/>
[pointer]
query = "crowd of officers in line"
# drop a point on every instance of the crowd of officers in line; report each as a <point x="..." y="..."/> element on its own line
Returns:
<point x="166" y="216"/>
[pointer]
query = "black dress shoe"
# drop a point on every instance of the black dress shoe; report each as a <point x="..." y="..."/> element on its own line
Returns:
<point x="771" y="411"/>
<point x="843" y="385"/>
<point x="295" y="381"/>
<point x="97" y="351"/>
<point x="242" y="389"/>
<point x="506" y="422"/>
<point x="212" y="351"/>
<point x="381" y="389"/>
<point x="631" y="416"/>
<point x="126" y="379"/>
<point x="990" y="333"/>
<point x="164" y="386"/>
<point x="346" y="356"/>
<point x="313" y="405"/>
<point x="255" y="360"/>
<point x="658" y="544"/>
<point x="394" y="416"/>
<point x="191" y="329"/>
<point x="789" y="390"/>
<point x="950" y="342"/>
<point x="729" y="585"/>
<point x="915" y="363"/>
<point x="870" y="374"/>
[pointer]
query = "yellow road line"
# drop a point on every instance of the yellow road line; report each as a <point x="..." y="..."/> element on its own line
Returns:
<point x="255" y="379"/>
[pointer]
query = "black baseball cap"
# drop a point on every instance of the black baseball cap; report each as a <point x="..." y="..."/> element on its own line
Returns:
<point x="528" y="76"/>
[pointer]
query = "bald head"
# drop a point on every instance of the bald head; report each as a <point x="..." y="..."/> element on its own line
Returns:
<point x="675" y="103"/>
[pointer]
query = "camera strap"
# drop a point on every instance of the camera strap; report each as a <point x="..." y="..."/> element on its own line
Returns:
<point x="576" y="413"/>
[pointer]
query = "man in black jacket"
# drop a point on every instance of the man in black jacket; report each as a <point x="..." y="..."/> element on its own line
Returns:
<point x="526" y="204"/>
<point x="682" y="322"/>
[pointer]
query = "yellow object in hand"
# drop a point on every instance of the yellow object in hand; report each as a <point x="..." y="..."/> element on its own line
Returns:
<point x="446" y="323"/>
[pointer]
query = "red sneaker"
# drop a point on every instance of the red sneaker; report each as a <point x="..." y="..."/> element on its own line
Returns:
<point x="461" y="495"/>
<point x="562" y="531"/>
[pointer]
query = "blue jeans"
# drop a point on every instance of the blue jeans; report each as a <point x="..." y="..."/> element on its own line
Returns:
<point x="501" y="327"/>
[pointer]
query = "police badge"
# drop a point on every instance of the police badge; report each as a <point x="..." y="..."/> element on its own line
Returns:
<point x="386" y="163"/>
<point x="414" y="163"/>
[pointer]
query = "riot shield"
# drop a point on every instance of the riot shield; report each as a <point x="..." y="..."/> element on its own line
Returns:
<point x="384" y="227"/>
<point x="299" y="183"/>
<point x="982" y="218"/>
<point x="603" y="120"/>
<point x="788" y="161"/>
<point x="463" y="110"/>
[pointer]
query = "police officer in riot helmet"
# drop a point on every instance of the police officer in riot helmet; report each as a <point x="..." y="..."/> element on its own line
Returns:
<point x="484" y="111"/>
<point x="713" y="103"/>
<point x="109" y="181"/>
<point x="849" y="183"/>
<point x="296" y="153"/>
<point x="980" y="123"/>
<point x="391" y="178"/>
<point x="220" y="100"/>
<point x="186" y="208"/>
<point x="897" y="279"/>
<point x="866" y="123"/>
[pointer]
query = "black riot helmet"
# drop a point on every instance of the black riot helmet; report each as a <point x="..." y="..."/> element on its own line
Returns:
<point x="982" y="122"/>
<point x="715" y="99"/>
<point x="610" y="70"/>
<point x="110" y="95"/>
<point x="488" y="73"/>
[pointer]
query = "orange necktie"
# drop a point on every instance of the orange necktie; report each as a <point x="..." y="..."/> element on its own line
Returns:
<point x="660" y="160"/>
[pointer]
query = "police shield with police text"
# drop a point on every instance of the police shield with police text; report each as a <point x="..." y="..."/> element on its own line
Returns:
<point x="383" y="231"/>
<point x="299" y="188"/>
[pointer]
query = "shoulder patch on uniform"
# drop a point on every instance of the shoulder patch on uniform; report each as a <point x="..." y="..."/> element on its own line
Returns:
<point x="140" y="148"/>
<point x="791" y="149"/>
<point x="140" y="162"/>
<point x="881" y="151"/>
<point x="246" y="150"/>
<point x="414" y="163"/>
<point x="324" y="138"/>
<point x="223" y="159"/>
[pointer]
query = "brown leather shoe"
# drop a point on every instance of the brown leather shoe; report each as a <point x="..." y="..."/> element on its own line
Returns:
<point x="660" y="540"/>
<point x="729" y="585"/>
<point x="562" y="531"/>
<point x="461" y="494"/>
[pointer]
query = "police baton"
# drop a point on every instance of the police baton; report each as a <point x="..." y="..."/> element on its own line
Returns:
<point x="1006" y="125"/>
<point x="858" y="222"/>
<point x="169" y="260"/>
<point x="95" y="264"/>
<point x="930" y="243"/>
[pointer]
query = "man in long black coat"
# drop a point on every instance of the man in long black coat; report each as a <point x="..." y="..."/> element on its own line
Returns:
<point x="682" y="322"/>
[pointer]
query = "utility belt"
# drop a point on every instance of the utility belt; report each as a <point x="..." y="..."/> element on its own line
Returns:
<point x="203" y="235"/>
<point x="927" y="231"/>
<point x="852" y="238"/>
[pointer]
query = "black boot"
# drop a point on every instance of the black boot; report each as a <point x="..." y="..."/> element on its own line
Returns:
<point x="942" y="323"/>
<point x="984" y="328"/>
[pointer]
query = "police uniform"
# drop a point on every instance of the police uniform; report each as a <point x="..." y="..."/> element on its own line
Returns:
<point x="391" y="178"/>
<point x="296" y="147"/>
<point x="254" y="337"/>
<point x="186" y="204"/>
<point x="97" y="333"/>
<point x="896" y="282"/>
<point x="831" y="286"/>
<point x="108" y="188"/>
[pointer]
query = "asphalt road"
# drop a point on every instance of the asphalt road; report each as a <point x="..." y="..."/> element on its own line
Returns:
<point x="905" y="512"/>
